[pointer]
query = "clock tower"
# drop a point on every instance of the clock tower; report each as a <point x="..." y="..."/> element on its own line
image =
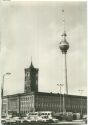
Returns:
<point x="31" y="79"/>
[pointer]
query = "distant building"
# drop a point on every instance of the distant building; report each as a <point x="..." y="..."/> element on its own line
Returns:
<point x="32" y="100"/>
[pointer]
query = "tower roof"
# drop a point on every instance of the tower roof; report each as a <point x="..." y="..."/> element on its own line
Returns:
<point x="31" y="66"/>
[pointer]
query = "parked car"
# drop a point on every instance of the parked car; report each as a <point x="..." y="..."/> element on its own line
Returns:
<point x="69" y="116"/>
<point x="85" y="118"/>
<point x="3" y="120"/>
<point x="12" y="120"/>
<point x="7" y="120"/>
<point x="54" y="120"/>
<point x="16" y="118"/>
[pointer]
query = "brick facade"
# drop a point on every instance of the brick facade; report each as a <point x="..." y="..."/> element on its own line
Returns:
<point x="40" y="101"/>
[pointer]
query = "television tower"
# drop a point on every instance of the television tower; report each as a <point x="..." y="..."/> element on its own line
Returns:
<point x="64" y="46"/>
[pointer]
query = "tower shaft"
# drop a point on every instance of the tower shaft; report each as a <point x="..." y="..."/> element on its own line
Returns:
<point x="65" y="74"/>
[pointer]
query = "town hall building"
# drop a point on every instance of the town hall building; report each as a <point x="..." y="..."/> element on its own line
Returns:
<point x="33" y="100"/>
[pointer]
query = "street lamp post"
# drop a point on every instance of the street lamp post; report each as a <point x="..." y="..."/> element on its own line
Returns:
<point x="2" y="87"/>
<point x="60" y="85"/>
<point x="81" y="91"/>
<point x="64" y="109"/>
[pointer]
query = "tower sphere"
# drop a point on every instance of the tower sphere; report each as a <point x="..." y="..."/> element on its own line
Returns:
<point x="64" y="45"/>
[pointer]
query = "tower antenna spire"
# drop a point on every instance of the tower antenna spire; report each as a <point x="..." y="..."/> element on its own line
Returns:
<point x="63" y="20"/>
<point x="31" y="59"/>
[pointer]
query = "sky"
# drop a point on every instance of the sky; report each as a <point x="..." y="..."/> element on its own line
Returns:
<point x="33" y="29"/>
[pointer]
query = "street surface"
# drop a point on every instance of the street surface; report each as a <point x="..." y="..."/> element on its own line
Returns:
<point x="80" y="122"/>
<point x="75" y="122"/>
<point x="70" y="123"/>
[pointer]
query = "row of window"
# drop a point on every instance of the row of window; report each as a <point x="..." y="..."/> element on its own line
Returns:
<point x="58" y="97"/>
<point x="4" y="100"/>
<point x="26" y="98"/>
<point x="77" y="102"/>
<point x="47" y="105"/>
<point x="50" y="100"/>
<point x="56" y="105"/>
<point x="13" y="106"/>
<point x="27" y="105"/>
<point x="25" y="108"/>
<point x="47" y="97"/>
<point x="26" y="101"/>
